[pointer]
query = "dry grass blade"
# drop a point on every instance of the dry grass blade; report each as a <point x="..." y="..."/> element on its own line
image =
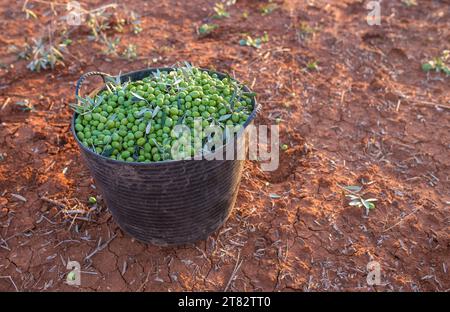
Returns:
<point x="11" y="280"/>
<point x="100" y="247"/>
<point x="402" y="219"/>
<point x="235" y="270"/>
<point x="54" y="202"/>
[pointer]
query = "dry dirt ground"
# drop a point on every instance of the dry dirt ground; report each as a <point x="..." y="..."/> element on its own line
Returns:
<point x="367" y="115"/>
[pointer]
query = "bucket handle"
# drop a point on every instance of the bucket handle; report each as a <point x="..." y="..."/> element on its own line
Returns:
<point x="84" y="76"/>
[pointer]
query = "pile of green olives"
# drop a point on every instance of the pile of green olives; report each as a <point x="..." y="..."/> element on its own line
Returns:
<point x="134" y="121"/>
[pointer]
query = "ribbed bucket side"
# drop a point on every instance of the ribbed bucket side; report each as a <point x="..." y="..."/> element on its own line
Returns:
<point x="173" y="203"/>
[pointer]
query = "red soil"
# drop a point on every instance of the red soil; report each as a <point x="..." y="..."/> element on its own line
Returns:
<point x="367" y="117"/>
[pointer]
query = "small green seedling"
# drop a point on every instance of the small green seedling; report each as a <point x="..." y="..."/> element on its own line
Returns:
<point x="119" y="24"/>
<point x="67" y="42"/>
<point x="409" y="3"/>
<point x="206" y="29"/>
<point x="107" y="18"/>
<point x="23" y="53"/>
<point x="305" y="31"/>
<point x="44" y="55"/>
<point x="313" y="65"/>
<point x="438" y="64"/>
<point x="111" y="45"/>
<point x="98" y="22"/>
<point x="254" y="43"/>
<point x="219" y="9"/>
<point x="25" y="106"/>
<point x="136" y="22"/>
<point x="358" y="201"/>
<point x="268" y="8"/>
<point x="130" y="52"/>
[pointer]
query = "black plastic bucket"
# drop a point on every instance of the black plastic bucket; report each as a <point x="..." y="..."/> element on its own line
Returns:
<point x="169" y="202"/>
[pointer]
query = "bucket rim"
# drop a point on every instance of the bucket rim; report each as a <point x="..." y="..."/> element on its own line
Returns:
<point x="250" y="119"/>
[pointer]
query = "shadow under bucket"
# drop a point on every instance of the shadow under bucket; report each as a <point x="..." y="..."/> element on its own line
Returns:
<point x="170" y="202"/>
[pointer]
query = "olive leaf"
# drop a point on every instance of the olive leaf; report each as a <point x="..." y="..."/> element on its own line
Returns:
<point x="108" y="87"/>
<point x="158" y="146"/>
<point x="148" y="128"/>
<point x="138" y="96"/>
<point x="76" y="108"/>
<point x="142" y="111"/>
<point x="155" y="111"/>
<point x="89" y="99"/>
<point x="118" y="79"/>
<point x="126" y="83"/>
<point x="233" y="96"/>
<point x="187" y="70"/>
<point x="224" y="117"/>
<point x="353" y="188"/>
<point x="181" y="120"/>
<point x="163" y="119"/>
<point x="109" y="79"/>
<point x="107" y="152"/>
<point x="157" y="74"/>
<point x="98" y="100"/>
<point x="87" y="104"/>
<point x="136" y="153"/>
<point x="188" y="66"/>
